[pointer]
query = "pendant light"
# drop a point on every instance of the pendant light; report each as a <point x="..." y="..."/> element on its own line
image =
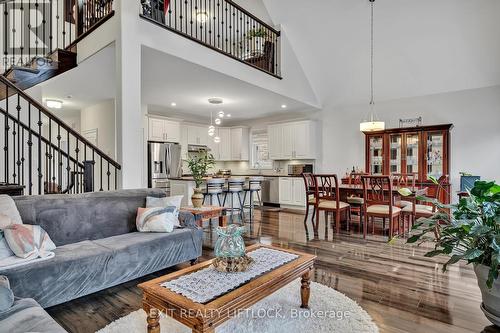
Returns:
<point x="372" y="123"/>
<point x="211" y="128"/>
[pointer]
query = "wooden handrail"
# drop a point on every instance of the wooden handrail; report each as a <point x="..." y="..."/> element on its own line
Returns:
<point x="277" y="32"/>
<point x="59" y="122"/>
<point x="37" y="135"/>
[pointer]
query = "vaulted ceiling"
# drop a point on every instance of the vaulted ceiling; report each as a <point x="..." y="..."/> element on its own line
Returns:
<point x="422" y="47"/>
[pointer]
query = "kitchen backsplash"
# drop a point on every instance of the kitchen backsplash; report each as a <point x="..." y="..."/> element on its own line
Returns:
<point x="243" y="168"/>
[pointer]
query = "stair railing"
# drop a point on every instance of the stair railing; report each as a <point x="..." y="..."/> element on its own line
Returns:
<point x="33" y="29"/>
<point x="44" y="154"/>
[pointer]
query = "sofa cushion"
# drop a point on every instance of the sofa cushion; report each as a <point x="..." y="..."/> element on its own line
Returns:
<point x="72" y="218"/>
<point x="76" y="270"/>
<point x="137" y="254"/>
<point x="26" y="315"/>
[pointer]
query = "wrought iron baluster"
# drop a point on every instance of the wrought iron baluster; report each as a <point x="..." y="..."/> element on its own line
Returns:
<point x="7" y="129"/>
<point x="18" y="160"/>
<point x="59" y="159"/>
<point x="108" y="174"/>
<point x="100" y="175"/>
<point x="30" y="153"/>
<point x="40" y="166"/>
<point x="76" y="166"/>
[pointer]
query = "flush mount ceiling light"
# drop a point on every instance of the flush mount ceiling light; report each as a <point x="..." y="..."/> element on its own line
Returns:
<point x="228" y="115"/>
<point x="173" y="104"/>
<point x="201" y="17"/>
<point x="220" y="114"/>
<point x="54" y="103"/>
<point x="372" y="123"/>
<point x="215" y="100"/>
<point x="283" y="106"/>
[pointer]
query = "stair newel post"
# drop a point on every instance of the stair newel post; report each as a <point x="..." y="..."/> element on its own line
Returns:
<point x="59" y="159"/>
<point x="30" y="153"/>
<point x="76" y="167"/>
<point x="88" y="176"/>
<point x="40" y="161"/>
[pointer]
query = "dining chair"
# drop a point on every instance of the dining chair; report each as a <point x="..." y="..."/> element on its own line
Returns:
<point x="407" y="180"/>
<point x="327" y="198"/>
<point x="379" y="202"/>
<point x="310" y="190"/>
<point x="416" y="211"/>
<point x="356" y="201"/>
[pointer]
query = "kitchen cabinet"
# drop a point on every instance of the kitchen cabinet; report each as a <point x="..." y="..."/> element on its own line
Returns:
<point x="294" y="140"/>
<point x="239" y="144"/>
<point x="292" y="191"/>
<point x="221" y="150"/>
<point x="163" y="130"/>
<point x="197" y="135"/>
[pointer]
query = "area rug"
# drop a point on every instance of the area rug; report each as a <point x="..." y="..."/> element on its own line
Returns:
<point x="330" y="311"/>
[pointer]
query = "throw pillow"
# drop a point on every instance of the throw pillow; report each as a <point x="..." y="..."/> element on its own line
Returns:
<point x="166" y="202"/>
<point x="29" y="241"/>
<point x="157" y="219"/>
<point x="5" y="250"/>
<point x="6" y="294"/>
<point x="9" y="209"/>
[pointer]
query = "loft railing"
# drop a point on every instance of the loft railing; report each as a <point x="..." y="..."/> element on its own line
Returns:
<point x="44" y="154"/>
<point x="222" y="26"/>
<point x="33" y="29"/>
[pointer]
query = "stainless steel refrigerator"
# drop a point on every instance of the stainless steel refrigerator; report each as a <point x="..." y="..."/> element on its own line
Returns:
<point x="164" y="162"/>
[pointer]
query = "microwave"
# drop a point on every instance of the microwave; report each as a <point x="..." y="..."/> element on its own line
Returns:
<point x="298" y="169"/>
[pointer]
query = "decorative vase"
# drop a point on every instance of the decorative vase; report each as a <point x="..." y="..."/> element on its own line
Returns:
<point x="197" y="198"/>
<point x="230" y="243"/>
<point x="491" y="297"/>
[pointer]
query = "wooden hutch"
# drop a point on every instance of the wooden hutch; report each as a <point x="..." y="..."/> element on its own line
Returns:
<point x="424" y="150"/>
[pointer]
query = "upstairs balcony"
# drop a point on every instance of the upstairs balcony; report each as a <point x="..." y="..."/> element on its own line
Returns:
<point x="222" y="26"/>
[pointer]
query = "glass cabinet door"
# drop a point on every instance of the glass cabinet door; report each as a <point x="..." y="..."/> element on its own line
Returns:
<point x="376" y="155"/>
<point x="412" y="153"/>
<point x="435" y="154"/>
<point x="395" y="153"/>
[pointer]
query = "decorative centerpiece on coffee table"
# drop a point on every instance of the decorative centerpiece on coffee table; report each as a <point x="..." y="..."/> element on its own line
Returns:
<point x="230" y="250"/>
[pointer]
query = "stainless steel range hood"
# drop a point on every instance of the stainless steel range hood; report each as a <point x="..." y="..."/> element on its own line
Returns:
<point x="198" y="148"/>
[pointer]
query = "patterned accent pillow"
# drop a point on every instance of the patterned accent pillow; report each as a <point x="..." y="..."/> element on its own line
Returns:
<point x="166" y="202"/>
<point x="5" y="250"/>
<point x="29" y="241"/>
<point x="156" y="219"/>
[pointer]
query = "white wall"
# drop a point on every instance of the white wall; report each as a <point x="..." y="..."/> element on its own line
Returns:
<point x="101" y="116"/>
<point x="475" y="138"/>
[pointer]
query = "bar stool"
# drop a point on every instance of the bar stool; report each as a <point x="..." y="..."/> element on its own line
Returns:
<point x="214" y="187"/>
<point x="254" y="186"/>
<point x="234" y="188"/>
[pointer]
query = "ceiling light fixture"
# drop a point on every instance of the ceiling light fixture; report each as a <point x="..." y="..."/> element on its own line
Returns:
<point x="283" y="106"/>
<point x="218" y="121"/>
<point x="173" y="104"/>
<point x="217" y="139"/>
<point x="201" y="17"/>
<point x="54" y="103"/>
<point x="215" y="100"/>
<point x="220" y="114"/>
<point x="372" y="123"/>
<point x="228" y="115"/>
<point x="211" y="128"/>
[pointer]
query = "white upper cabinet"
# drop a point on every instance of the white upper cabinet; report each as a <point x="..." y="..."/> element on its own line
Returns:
<point x="292" y="141"/>
<point x="224" y="144"/>
<point x="239" y="144"/>
<point x="197" y="135"/>
<point x="163" y="130"/>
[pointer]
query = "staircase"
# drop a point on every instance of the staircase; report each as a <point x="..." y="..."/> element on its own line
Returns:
<point x="41" y="152"/>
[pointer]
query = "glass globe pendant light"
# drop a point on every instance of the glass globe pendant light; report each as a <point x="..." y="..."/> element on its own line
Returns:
<point x="372" y="123"/>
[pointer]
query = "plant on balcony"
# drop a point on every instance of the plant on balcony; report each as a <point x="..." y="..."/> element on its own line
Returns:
<point x="199" y="166"/>
<point x="470" y="231"/>
<point x="260" y="32"/>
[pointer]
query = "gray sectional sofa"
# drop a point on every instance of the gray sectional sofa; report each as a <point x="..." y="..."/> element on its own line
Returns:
<point x="97" y="244"/>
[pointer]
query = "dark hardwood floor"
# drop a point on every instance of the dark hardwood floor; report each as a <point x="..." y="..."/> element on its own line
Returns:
<point x="401" y="289"/>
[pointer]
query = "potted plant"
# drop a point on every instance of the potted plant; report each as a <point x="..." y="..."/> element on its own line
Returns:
<point x="470" y="231"/>
<point x="199" y="165"/>
<point x="256" y="40"/>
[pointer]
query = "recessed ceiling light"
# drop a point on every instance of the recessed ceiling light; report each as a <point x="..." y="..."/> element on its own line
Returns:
<point x="215" y="100"/>
<point x="173" y="104"/>
<point x="283" y="106"/>
<point x="54" y="103"/>
<point x="228" y="115"/>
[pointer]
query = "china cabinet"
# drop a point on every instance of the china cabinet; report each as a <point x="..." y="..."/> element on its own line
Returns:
<point x="423" y="150"/>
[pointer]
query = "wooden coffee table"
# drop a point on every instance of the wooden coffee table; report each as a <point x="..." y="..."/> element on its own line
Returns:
<point x="158" y="300"/>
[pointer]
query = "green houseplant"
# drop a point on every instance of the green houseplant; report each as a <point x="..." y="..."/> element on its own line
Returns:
<point x="470" y="231"/>
<point x="199" y="166"/>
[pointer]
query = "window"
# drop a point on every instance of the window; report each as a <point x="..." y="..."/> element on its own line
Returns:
<point x="260" y="150"/>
